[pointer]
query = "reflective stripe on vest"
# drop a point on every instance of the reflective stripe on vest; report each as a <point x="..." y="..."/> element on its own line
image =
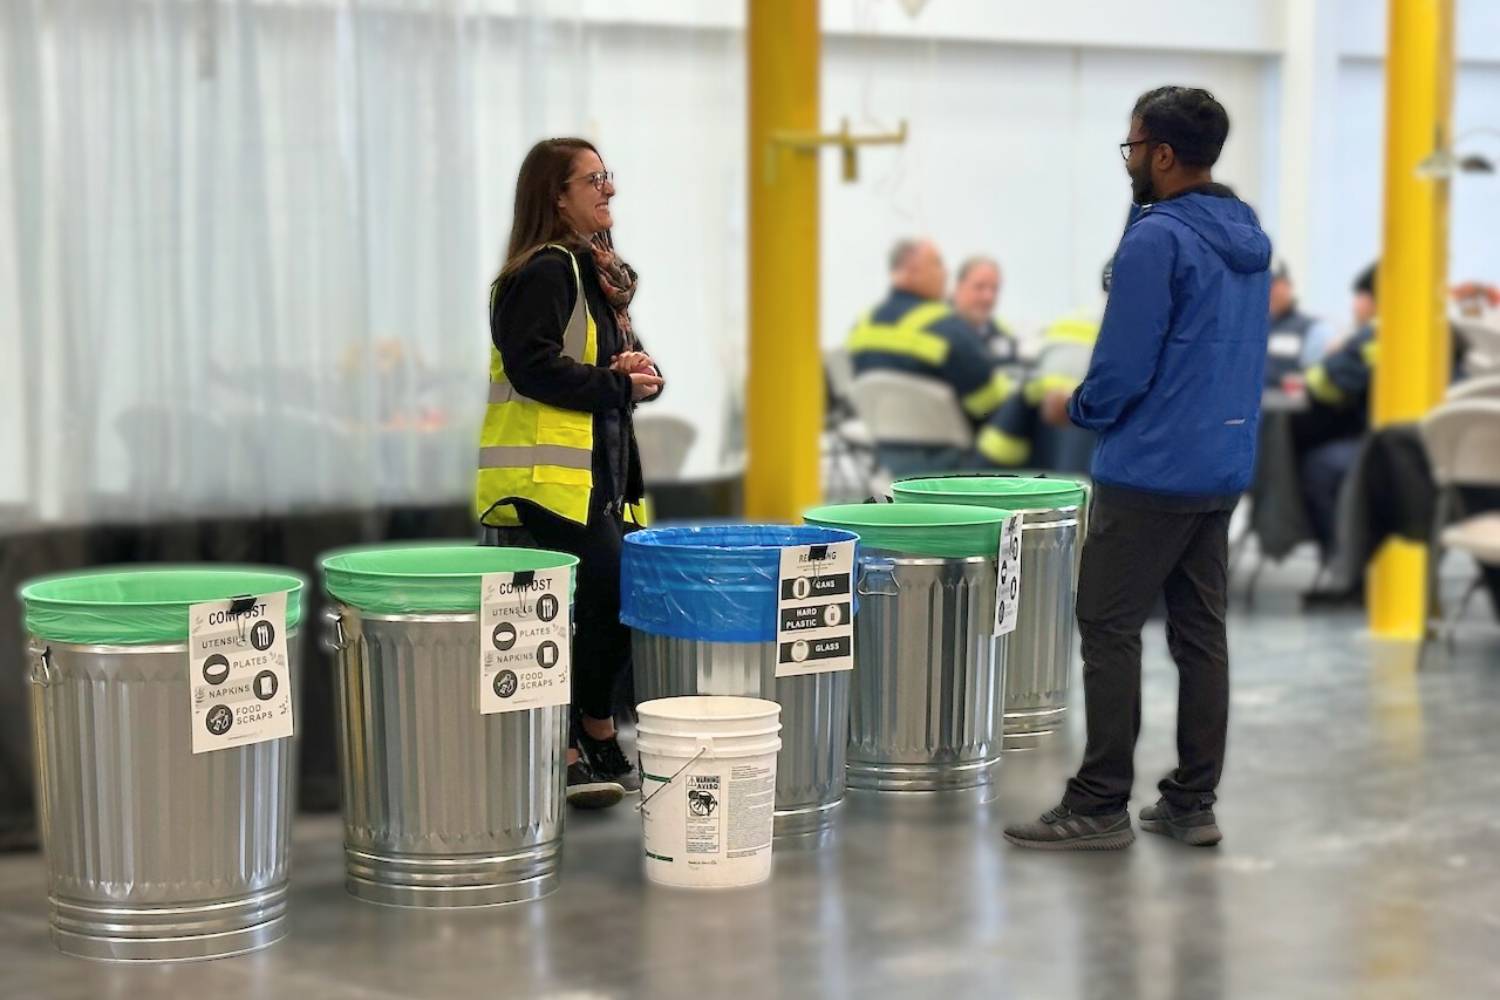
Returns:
<point x="1037" y="388"/>
<point x="907" y="336"/>
<point x="1076" y="328"/>
<point x="1002" y="448"/>
<point x="1322" y="388"/>
<point x="987" y="398"/>
<point x="532" y="451"/>
<point x="513" y="455"/>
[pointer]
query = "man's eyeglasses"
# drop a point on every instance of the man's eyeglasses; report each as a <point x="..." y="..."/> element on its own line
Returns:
<point x="598" y="178"/>
<point x="1128" y="145"/>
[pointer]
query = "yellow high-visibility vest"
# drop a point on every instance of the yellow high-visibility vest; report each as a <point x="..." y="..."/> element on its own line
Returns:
<point x="908" y="336"/>
<point x="531" y="451"/>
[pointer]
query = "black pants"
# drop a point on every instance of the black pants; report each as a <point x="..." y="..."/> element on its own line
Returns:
<point x="601" y="645"/>
<point x="1326" y="441"/>
<point x="1129" y="558"/>
<point x="1323" y="471"/>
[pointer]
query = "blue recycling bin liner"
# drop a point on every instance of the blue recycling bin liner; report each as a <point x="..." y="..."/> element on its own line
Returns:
<point x="713" y="583"/>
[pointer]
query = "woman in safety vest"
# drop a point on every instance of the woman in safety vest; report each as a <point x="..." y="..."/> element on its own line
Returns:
<point x="558" y="465"/>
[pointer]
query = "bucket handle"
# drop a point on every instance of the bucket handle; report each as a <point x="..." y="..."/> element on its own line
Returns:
<point x="873" y="570"/>
<point x="334" y="638"/>
<point x="707" y="746"/>
<point x="43" y="673"/>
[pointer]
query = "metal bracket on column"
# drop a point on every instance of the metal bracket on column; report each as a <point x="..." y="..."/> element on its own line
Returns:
<point x="848" y="143"/>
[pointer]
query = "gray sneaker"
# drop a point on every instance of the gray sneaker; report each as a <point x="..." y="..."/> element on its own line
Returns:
<point x="1197" y="828"/>
<point x="1061" y="829"/>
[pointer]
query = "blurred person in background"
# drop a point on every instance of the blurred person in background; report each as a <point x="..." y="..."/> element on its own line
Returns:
<point x="1476" y="302"/>
<point x="1382" y="485"/>
<point x="1017" y="435"/>
<point x="1475" y="299"/>
<point x="559" y="468"/>
<point x="913" y="331"/>
<point x="1327" y="435"/>
<point x="1173" y="390"/>
<point x="976" y="293"/>
<point x="1298" y="341"/>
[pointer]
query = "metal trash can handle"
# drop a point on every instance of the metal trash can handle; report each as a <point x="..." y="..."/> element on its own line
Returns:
<point x="873" y="570"/>
<point x="334" y="639"/>
<point x="43" y="673"/>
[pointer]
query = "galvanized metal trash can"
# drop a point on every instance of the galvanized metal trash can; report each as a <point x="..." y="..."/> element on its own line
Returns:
<point x="928" y="669"/>
<point x="443" y="806"/>
<point x="154" y="853"/>
<point x="1039" y="669"/>
<point x="702" y="602"/>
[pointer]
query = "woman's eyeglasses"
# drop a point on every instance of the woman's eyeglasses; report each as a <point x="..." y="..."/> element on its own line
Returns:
<point x="598" y="178"/>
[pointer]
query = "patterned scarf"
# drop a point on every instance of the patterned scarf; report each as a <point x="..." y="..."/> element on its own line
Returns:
<point x="617" y="280"/>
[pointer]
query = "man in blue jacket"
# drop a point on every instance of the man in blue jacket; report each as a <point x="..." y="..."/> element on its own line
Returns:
<point x="1173" y="391"/>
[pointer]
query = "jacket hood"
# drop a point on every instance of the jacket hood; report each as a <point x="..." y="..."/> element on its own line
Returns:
<point x="1225" y="223"/>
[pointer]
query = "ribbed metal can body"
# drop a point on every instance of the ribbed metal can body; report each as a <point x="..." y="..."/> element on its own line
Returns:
<point x="154" y="853"/>
<point x="443" y="806"/>
<point x="928" y="672"/>
<point x="1039" y="669"/>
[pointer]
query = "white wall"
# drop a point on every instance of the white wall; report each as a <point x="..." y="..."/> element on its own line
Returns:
<point x="1013" y="152"/>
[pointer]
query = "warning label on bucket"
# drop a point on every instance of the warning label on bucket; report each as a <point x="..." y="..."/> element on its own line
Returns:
<point x="525" y="640"/>
<point x="707" y="821"/>
<point x="1008" y="577"/>
<point x="237" y="672"/>
<point x="815" y="615"/>
<point x="703" y="798"/>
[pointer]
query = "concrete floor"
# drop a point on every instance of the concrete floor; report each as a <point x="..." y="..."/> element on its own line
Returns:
<point x="1361" y="808"/>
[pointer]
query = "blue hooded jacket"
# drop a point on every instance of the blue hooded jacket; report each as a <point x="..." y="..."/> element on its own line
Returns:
<point x="1174" y="386"/>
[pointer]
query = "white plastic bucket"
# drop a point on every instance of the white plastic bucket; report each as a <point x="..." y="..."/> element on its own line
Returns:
<point x="708" y="789"/>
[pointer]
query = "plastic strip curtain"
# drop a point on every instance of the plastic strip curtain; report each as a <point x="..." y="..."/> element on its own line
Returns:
<point x="245" y="245"/>
<point x="248" y="252"/>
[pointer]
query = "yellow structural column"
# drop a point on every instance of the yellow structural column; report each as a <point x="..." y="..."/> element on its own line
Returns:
<point x="784" y="408"/>
<point x="1412" y="370"/>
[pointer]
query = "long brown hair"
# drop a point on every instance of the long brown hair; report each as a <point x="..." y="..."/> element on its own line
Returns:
<point x="537" y="221"/>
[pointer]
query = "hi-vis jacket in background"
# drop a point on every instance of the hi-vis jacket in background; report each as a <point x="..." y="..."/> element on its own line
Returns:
<point x="558" y="422"/>
<point x="907" y="333"/>
<point x="1342" y="379"/>
<point x="1067" y="346"/>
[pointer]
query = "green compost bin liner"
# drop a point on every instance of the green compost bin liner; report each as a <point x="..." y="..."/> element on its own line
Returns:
<point x="426" y="578"/>
<point x="942" y="530"/>
<point x="1005" y="492"/>
<point x="144" y="607"/>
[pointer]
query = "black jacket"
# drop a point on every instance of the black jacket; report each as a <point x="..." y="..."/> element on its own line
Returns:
<point x="529" y="313"/>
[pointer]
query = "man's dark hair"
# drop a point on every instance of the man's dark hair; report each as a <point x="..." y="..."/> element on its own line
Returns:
<point x="1365" y="280"/>
<point x="1187" y="119"/>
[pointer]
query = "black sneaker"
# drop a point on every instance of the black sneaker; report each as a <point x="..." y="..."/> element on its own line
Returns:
<point x="1197" y="828"/>
<point x="1062" y="829"/>
<point x="586" y="790"/>
<point x="609" y="761"/>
